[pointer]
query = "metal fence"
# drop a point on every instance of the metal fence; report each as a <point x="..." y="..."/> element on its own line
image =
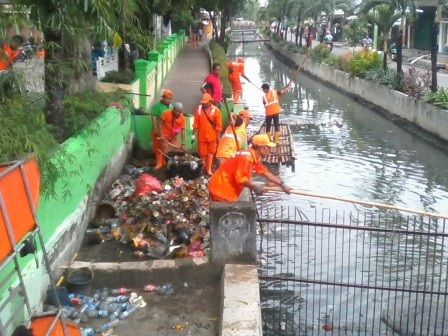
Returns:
<point x="352" y="272"/>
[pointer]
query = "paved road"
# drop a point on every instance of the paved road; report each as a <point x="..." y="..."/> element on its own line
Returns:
<point x="342" y="48"/>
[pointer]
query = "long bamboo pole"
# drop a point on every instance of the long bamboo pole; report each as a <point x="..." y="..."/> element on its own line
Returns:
<point x="352" y="200"/>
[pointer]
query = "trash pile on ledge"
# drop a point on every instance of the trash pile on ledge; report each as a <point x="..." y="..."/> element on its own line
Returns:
<point x="105" y="309"/>
<point x="158" y="219"/>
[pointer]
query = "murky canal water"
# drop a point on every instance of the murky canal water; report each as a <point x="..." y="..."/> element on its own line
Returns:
<point x="345" y="149"/>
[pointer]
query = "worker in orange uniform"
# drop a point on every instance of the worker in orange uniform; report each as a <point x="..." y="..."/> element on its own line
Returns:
<point x="272" y="107"/>
<point x="236" y="71"/>
<point x="173" y="123"/>
<point x="235" y="173"/>
<point x="207" y="126"/>
<point x="227" y="146"/>
<point x="156" y="112"/>
<point x="9" y="52"/>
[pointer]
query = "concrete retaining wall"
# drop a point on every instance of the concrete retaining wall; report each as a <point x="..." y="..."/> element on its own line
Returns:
<point x="430" y="118"/>
<point x="241" y="310"/>
<point x="97" y="156"/>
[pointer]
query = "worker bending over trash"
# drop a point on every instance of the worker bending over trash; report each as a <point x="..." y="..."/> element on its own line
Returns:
<point x="235" y="173"/>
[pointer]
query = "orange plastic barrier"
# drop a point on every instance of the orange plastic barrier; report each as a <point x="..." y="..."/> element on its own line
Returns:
<point x="12" y="188"/>
<point x="40" y="326"/>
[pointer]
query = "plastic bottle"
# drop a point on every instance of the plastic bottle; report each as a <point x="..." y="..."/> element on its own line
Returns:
<point x="130" y="310"/>
<point x="150" y="288"/>
<point x="112" y="306"/>
<point x="97" y="313"/>
<point x="87" y="332"/>
<point x="104" y="294"/>
<point x="103" y="305"/>
<point x="107" y="326"/>
<point x="121" y="298"/>
<point x="166" y="289"/>
<point x="121" y="291"/>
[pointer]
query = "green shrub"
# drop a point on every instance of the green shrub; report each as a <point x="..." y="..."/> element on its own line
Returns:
<point x="438" y="98"/>
<point x="331" y="59"/>
<point x="125" y="76"/>
<point x="83" y="107"/>
<point x="363" y="61"/>
<point x="219" y="56"/>
<point x="416" y="83"/>
<point x="292" y="47"/>
<point x="320" y="52"/>
<point x="388" y="77"/>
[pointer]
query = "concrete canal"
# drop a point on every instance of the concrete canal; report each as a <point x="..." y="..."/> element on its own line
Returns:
<point x="348" y="150"/>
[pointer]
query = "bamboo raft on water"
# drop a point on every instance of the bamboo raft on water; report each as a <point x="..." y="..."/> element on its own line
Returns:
<point x="284" y="152"/>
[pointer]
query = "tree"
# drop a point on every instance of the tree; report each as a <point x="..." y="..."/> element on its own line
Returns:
<point x="406" y="8"/>
<point x="384" y="17"/>
<point x="355" y="31"/>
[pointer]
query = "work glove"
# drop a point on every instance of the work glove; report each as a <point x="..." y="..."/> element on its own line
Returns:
<point x="193" y="138"/>
<point x="286" y="188"/>
<point x="258" y="190"/>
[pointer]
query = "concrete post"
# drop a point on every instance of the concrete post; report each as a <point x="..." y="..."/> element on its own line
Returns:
<point x="154" y="56"/>
<point x="141" y="67"/>
<point x="233" y="233"/>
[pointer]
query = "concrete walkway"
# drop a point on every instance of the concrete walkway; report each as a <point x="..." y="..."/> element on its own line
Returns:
<point x="187" y="75"/>
<point x="342" y="48"/>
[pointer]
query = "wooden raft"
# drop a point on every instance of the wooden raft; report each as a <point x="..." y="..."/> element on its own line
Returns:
<point x="284" y="152"/>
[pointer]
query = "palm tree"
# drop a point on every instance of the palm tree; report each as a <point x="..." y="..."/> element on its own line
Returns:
<point x="384" y="17"/>
<point x="403" y="7"/>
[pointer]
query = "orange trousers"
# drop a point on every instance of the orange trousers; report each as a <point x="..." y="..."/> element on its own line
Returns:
<point x="207" y="150"/>
<point x="157" y="148"/>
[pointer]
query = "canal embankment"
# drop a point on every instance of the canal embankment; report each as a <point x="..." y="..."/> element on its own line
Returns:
<point x="202" y="288"/>
<point x="414" y="115"/>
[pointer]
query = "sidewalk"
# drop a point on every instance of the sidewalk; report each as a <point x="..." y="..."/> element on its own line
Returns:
<point x="408" y="55"/>
<point x="187" y="75"/>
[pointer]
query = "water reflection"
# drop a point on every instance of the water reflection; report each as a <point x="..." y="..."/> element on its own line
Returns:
<point x="347" y="150"/>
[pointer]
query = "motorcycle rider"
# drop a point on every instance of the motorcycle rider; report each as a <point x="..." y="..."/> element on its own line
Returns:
<point x="328" y="40"/>
<point x="367" y="42"/>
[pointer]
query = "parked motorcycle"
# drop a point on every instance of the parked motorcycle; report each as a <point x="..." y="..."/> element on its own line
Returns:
<point x="24" y="52"/>
<point x="392" y="51"/>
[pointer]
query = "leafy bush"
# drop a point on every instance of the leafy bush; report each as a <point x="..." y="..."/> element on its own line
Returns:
<point x="83" y="107"/>
<point x="388" y="77"/>
<point x="362" y="61"/>
<point x="343" y="61"/>
<point x="438" y="98"/>
<point x="331" y="60"/>
<point x="320" y="52"/>
<point x="219" y="56"/>
<point x="416" y="83"/>
<point x="292" y="47"/>
<point x="125" y="76"/>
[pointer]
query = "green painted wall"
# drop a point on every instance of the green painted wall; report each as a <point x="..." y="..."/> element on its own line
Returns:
<point x="92" y="151"/>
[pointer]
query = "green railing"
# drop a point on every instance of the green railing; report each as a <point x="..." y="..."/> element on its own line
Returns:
<point x="150" y="74"/>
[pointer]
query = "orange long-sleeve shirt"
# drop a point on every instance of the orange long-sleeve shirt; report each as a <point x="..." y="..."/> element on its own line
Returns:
<point x="227" y="181"/>
<point x="169" y="124"/>
<point x="205" y="131"/>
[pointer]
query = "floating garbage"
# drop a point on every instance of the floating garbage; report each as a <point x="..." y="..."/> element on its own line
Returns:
<point x="157" y="219"/>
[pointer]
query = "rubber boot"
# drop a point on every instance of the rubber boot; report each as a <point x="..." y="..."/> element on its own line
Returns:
<point x="208" y="165"/>
<point x="269" y="135"/>
<point x="277" y="138"/>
